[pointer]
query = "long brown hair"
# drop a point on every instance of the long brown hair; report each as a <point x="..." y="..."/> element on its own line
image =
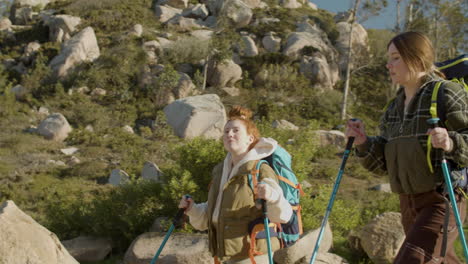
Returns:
<point x="245" y="116"/>
<point x="416" y="51"/>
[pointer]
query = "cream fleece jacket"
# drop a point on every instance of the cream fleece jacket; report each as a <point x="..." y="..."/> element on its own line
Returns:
<point x="279" y="209"/>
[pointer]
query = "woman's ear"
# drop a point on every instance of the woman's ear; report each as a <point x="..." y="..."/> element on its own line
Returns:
<point x="251" y="139"/>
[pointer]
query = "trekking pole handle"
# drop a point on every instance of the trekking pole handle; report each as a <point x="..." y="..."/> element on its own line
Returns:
<point x="178" y="220"/>
<point x="433" y="123"/>
<point x="349" y="144"/>
<point x="264" y="207"/>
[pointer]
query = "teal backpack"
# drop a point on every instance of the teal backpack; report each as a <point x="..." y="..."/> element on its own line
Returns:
<point x="288" y="233"/>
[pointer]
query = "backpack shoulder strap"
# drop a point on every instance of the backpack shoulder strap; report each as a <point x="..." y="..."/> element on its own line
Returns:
<point x="254" y="175"/>
<point x="434" y="114"/>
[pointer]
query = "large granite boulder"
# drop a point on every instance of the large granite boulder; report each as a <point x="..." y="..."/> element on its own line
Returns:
<point x="54" y="127"/>
<point x="23" y="240"/>
<point x="179" y="249"/>
<point x="80" y="48"/>
<point x="382" y="237"/>
<point x="223" y="74"/>
<point x="202" y="115"/>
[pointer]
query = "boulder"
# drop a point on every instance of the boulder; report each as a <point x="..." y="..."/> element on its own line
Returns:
<point x="21" y="15"/>
<point x="284" y="124"/>
<point x="151" y="172"/>
<point x="184" y="24"/>
<point x="331" y="137"/>
<point x="271" y="43"/>
<point x="318" y="70"/>
<point x="185" y="86"/>
<point x="198" y="11"/>
<point x="89" y="249"/>
<point x="19" y="91"/>
<point x="118" y="177"/>
<point x="247" y="47"/>
<point x="23" y="240"/>
<point x="223" y="74"/>
<point x="82" y="47"/>
<point x="165" y="13"/>
<point x="5" y="24"/>
<point x="360" y="47"/>
<point x="179" y="249"/>
<point x="69" y="151"/>
<point x="137" y="30"/>
<point x="237" y="13"/>
<point x="303" y="247"/>
<point x="202" y="115"/>
<point x="296" y="41"/>
<point x="61" y="27"/>
<point x="382" y="237"/>
<point x="54" y="127"/>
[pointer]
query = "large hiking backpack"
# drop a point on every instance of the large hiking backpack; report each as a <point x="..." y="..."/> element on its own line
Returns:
<point x="455" y="70"/>
<point x="280" y="162"/>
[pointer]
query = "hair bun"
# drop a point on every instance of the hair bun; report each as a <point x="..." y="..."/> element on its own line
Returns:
<point x="239" y="112"/>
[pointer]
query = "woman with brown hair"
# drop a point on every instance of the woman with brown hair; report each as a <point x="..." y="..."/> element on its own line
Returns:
<point x="401" y="149"/>
<point x="231" y="206"/>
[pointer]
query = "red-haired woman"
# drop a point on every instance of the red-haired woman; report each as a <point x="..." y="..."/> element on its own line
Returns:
<point x="231" y="207"/>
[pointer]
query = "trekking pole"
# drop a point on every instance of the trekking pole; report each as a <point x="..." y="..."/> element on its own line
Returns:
<point x="448" y="182"/>
<point x="349" y="144"/>
<point x="267" y="230"/>
<point x="177" y="222"/>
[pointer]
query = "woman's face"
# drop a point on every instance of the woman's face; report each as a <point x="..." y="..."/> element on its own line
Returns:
<point x="235" y="138"/>
<point x="399" y="71"/>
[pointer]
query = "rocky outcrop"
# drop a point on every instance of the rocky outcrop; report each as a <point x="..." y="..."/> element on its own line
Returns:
<point x="360" y="47"/>
<point x="23" y="240"/>
<point x="82" y="47"/>
<point x="202" y="115"/>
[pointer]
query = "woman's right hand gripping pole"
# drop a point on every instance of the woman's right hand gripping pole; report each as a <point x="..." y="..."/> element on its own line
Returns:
<point x="186" y="202"/>
<point x="355" y="128"/>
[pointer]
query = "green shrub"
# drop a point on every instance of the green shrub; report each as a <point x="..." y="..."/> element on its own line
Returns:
<point x="109" y="16"/>
<point x="116" y="71"/>
<point x="186" y="50"/>
<point x="120" y="213"/>
<point x="345" y="214"/>
<point x="198" y="157"/>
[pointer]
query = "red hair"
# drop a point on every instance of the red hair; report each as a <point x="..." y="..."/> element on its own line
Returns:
<point x="245" y="116"/>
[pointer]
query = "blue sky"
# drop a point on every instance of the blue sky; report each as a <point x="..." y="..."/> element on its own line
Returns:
<point x="386" y="20"/>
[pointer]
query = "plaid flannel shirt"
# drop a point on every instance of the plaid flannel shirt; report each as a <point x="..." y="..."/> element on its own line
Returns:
<point x="399" y="123"/>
